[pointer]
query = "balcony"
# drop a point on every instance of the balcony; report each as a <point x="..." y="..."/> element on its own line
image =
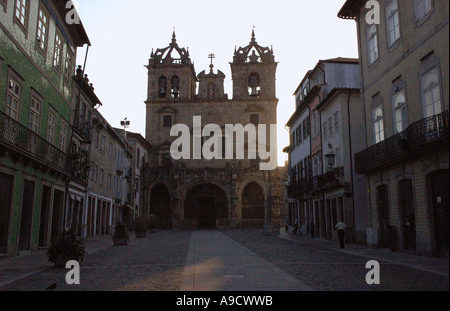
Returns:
<point x="21" y="140"/>
<point x="299" y="187"/>
<point x="328" y="180"/>
<point x="422" y="137"/>
<point x="317" y="183"/>
<point x="83" y="127"/>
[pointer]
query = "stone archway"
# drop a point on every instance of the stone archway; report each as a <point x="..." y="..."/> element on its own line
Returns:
<point x="160" y="205"/>
<point x="206" y="207"/>
<point x="253" y="212"/>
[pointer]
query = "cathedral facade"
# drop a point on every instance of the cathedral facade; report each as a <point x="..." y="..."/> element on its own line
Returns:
<point x="192" y="193"/>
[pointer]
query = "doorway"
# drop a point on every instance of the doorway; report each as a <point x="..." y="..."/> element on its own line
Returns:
<point x="160" y="205"/>
<point x="206" y="204"/>
<point x="439" y="197"/>
<point x="6" y="192"/>
<point x="408" y="217"/>
<point x="45" y="215"/>
<point x="26" y="220"/>
<point x="383" y="215"/>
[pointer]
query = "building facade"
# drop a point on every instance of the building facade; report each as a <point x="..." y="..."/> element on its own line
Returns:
<point x="37" y="53"/>
<point x="140" y="149"/>
<point x="322" y="180"/>
<point x="109" y="179"/>
<point x="217" y="193"/>
<point x="405" y="68"/>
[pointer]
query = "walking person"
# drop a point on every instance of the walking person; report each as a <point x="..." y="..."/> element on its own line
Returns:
<point x="341" y="226"/>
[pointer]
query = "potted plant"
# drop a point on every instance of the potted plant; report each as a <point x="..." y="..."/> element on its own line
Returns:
<point x="140" y="229"/>
<point x="69" y="247"/>
<point x="120" y="236"/>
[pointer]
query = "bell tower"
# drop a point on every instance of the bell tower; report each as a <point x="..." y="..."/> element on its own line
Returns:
<point x="171" y="74"/>
<point x="254" y="71"/>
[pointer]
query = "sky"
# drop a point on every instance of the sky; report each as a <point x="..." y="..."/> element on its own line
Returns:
<point x="123" y="34"/>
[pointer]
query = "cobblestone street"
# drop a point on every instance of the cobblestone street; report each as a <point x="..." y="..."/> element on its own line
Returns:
<point x="158" y="263"/>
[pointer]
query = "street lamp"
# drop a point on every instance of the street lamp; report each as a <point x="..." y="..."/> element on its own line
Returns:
<point x="125" y="123"/>
<point x="84" y="146"/>
<point x="331" y="160"/>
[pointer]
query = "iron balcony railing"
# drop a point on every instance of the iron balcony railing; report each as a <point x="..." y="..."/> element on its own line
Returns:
<point x="83" y="127"/>
<point x="427" y="131"/>
<point x="311" y="184"/>
<point x="21" y="139"/>
<point x="421" y="137"/>
<point x="329" y="179"/>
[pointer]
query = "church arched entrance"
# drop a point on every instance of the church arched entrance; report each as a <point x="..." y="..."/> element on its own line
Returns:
<point x="161" y="207"/>
<point x="253" y="205"/>
<point x="206" y="206"/>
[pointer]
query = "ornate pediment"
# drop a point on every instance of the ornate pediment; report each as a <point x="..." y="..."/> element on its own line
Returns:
<point x="254" y="53"/>
<point x="167" y="109"/>
<point x="254" y="108"/>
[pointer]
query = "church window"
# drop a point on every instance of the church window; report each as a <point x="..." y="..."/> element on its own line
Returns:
<point x="162" y="87"/>
<point x="167" y="121"/>
<point x="254" y="119"/>
<point x="211" y="90"/>
<point x="254" y="85"/>
<point x="175" y="87"/>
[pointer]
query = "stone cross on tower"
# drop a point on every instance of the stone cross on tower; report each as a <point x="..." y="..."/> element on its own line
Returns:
<point x="211" y="56"/>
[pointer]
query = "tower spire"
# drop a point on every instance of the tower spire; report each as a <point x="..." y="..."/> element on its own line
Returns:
<point x="174" y="36"/>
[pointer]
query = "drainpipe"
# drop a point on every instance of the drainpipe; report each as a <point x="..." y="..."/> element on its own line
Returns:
<point x="363" y="97"/>
<point x="351" y="161"/>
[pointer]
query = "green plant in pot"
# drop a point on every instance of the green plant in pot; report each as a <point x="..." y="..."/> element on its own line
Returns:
<point x="141" y="228"/>
<point x="120" y="236"/>
<point x="69" y="247"/>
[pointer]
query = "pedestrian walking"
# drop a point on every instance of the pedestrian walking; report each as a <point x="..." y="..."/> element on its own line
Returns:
<point x="341" y="226"/>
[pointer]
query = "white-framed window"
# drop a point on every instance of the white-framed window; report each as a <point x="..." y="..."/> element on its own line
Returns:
<point x="372" y="43"/>
<point x="63" y="136"/>
<point x="42" y="30"/>
<point x="400" y="111"/>
<point x="338" y="158"/>
<point x="423" y="7"/>
<point x="325" y="130"/>
<point x="21" y="12"/>
<point x="393" y="22"/>
<point x="330" y="126"/>
<point x="102" y="143"/>
<point x="57" y="54"/>
<point x="68" y="66"/>
<point x="13" y="99"/>
<point x="51" y="127"/>
<point x="336" y="122"/>
<point x="378" y="124"/>
<point x="35" y="115"/>
<point x="431" y="92"/>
